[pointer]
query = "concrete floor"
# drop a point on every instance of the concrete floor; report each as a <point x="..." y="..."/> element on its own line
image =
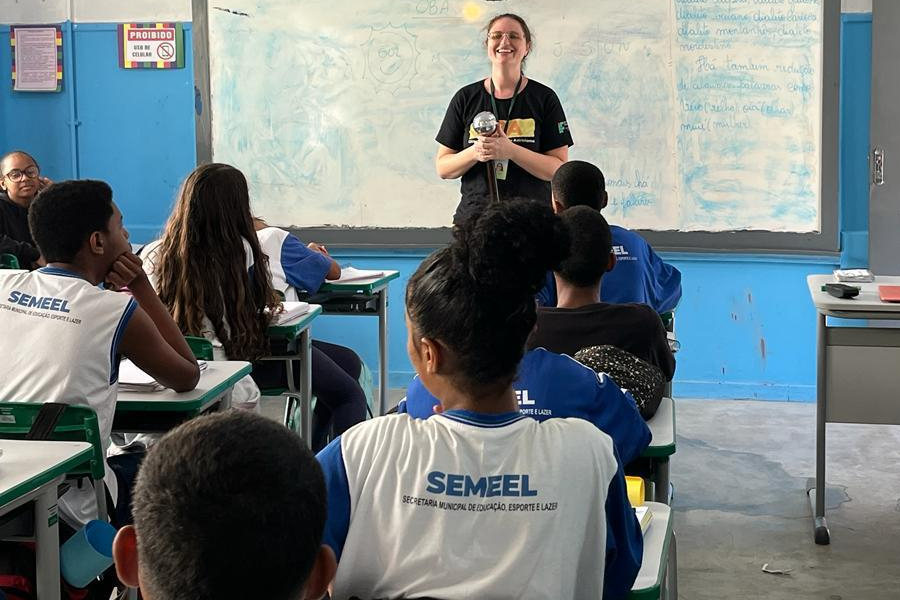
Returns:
<point x="740" y="476"/>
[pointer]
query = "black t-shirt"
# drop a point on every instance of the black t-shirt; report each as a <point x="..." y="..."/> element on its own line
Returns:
<point x="15" y="237"/>
<point x="537" y="123"/>
<point x="635" y="328"/>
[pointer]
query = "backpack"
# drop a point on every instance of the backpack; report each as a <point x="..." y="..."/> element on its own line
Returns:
<point x="644" y="381"/>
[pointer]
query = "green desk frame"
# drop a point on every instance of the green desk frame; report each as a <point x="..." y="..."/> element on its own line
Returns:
<point x="158" y="412"/>
<point x="31" y="473"/>
<point x="661" y="447"/>
<point x="297" y="334"/>
<point x="658" y="577"/>
<point x="375" y="288"/>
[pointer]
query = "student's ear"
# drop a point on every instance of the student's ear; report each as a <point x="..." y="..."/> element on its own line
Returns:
<point x="611" y="263"/>
<point x="321" y="575"/>
<point x="125" y="556"/>
<point x="557" y="206"/>
<point x="96" y="243"/>
<point x="604" y="200"/>
<point x="432" y="355"/>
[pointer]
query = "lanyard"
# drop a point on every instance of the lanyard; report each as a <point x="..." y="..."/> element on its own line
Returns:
<point x="512" y="103"/>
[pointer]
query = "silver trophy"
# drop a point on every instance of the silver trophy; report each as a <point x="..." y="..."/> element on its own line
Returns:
<point x="485" y="123"/>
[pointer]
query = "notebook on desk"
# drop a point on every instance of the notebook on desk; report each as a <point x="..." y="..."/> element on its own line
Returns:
<point x="349" y="273"/>
<point x="644" y="516"/>
<point x="889" y="293"/>
<point x="133" y="379"/>
<point x="291" y="311"/>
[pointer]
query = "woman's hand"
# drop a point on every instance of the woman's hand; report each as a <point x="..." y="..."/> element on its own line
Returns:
<point x="496" y="146"/>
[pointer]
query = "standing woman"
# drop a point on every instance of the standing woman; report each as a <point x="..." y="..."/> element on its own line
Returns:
<point x="532" y="138"/>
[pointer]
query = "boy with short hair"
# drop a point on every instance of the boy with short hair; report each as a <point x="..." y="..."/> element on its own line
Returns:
<point x="63" y="334"/>
<point x="640" y="274"/>
<point x="581" y="319"/>
<point x="228" y="506"/>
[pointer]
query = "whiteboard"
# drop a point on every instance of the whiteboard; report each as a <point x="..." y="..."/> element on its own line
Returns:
<point x="704" y="115"/>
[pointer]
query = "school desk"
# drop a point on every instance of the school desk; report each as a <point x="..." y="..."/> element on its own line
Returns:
<point x="375" y="288"/>
<point x="30" y="472"/>
<point x="658" y="577"/>
<point x="158" y="412"/>
<point x="298" y="338"/>
<point x="661" y="447"/>
<point x="857" y="379"/>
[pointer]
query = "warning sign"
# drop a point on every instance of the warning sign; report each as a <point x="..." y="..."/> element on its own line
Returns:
<point x="151" y="46"/>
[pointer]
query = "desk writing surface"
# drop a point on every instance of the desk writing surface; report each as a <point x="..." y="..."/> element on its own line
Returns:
<point x="656" y="553"/>
<point x="28" y="464"/>
<point x="867" y="302"/>
<point x="365" y="286"/>
<point x="290" y="330"/>
<point x="662" y="426"/>
<point x="215" y="379"/>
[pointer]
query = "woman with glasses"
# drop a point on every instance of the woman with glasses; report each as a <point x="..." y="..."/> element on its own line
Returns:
<point x="532" y="137"/>
<point x="20" y="182"/>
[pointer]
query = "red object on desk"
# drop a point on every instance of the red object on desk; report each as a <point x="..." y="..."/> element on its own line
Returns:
<point x="889" y="293"/>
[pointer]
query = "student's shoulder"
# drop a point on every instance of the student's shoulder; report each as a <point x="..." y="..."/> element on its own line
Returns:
<point x="578" y="435"/>
<point x="271" y="237"/>
<point x="636" y="314"/>
<point x="376" y="435"/>
<point x="562" y="366"/>
<point x="622" y="235"/>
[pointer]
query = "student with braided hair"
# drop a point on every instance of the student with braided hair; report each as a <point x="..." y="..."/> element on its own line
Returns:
<point x="480" y="500"/>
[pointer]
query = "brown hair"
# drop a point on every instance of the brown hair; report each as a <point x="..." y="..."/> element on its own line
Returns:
<point x="201" y="263"/>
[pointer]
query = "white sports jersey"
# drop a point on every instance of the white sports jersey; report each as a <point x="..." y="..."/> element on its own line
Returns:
<point x="293" y="266"/>
<point x="466" y="505"/>
<point x="60" y="338"/>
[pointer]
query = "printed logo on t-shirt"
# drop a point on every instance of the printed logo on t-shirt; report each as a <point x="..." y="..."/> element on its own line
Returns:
<point x="622" y="254"/>
<point x="520" y="130"/>
<point x="39" y="306"/>
<point x="527" y="405"/>
<point x="471" y="492"/>
<point x="563" y="126"/>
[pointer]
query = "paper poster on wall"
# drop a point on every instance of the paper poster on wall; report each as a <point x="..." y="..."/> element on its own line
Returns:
<point x="151" y="45"/>
<point x="36" y="58"/>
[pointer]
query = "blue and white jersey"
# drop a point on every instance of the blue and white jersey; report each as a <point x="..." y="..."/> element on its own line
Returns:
<point x="640" y="276"/>
<point x="467" y="505"/>
<point x="294" y="267"/>
<point x="60" y="343"/>
<point x="554" y="385"/>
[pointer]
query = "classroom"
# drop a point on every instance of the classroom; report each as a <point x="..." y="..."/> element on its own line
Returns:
<point x="331" y="114"/>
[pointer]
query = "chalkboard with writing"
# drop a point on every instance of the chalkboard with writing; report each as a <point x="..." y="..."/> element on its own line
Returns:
<point x="704" y="115"/>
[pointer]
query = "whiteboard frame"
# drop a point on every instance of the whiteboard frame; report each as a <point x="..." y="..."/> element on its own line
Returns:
<point x="824" y="242"/>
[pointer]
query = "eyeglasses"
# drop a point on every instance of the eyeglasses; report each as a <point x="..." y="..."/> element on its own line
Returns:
<point x="511" y="35"/>
<point x="19" y="175"/>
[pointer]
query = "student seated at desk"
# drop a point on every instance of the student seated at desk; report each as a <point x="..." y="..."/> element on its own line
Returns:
<point x="211" y="272"/>
<point x="640" y="274"/>
<point x="294" y="266"/>
<point x="62" y="334"/>
<point x="479" y="501"/>
<point x="554" y="385"/>
<point x="229" y="506"/>
<point x="580" y="319"/>
<point x="20" y="183"/>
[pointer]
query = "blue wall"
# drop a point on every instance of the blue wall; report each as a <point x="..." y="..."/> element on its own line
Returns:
<point x="133" y="128"/>
<point x="856" y="82"/>
<point x="746" y="323"/>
